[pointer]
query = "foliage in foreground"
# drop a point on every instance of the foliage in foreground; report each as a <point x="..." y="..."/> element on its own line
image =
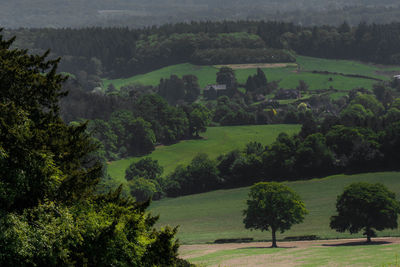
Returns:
<point x="103" y="231"/>
<point x="49" y="215"/>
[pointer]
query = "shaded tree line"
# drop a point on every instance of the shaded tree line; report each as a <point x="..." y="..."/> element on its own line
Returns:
<point x="240" y="56"/>
<point x="363" y="137"/>
<point x="149" y="122"/>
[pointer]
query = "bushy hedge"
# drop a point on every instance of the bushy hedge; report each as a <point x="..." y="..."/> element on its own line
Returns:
<point x="240" y="56"/>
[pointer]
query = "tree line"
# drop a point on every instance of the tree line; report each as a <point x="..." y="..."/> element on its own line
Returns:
<point x="151" y="121"/>
<point x="363" y="137"/>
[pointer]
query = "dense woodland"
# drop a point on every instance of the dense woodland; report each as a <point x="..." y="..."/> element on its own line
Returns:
<point x="94" y="53"/>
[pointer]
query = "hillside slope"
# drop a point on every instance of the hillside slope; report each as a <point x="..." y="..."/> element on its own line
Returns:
<point x="288" y="77"/>
<point x="214" y="142"/>
<point x="218" y="214"/>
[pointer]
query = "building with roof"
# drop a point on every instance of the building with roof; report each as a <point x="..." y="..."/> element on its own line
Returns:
<point x="213" y="91"/>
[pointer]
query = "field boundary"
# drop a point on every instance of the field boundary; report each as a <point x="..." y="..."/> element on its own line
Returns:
<point x="343" y="74"/>
<point x="257" y="65"/>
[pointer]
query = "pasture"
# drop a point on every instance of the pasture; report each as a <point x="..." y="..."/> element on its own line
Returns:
<point x="214" y="215"/>
<point x="215" y="141"/>
<point x="288" y="75"/>
<point x="206" y="75"/>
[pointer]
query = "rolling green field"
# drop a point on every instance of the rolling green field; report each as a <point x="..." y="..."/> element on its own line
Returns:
<point x="215" y="141"/>
<point x="346" y="66"/>
<point x="206" y="74"/>
<point x="288" y="76"/>
<point x="218" y="214"/>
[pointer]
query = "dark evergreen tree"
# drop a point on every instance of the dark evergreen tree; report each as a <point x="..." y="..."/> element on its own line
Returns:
<point x="49" y="214"/>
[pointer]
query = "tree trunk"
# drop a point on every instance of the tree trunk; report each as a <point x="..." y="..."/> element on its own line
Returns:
<point x="274" y="238"/>
<point x="368" y="233"/>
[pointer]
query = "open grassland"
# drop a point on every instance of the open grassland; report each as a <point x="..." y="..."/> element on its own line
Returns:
<point x="287" y="75"/>
<point x="218" y="214"/>
<point x="382" y="252"/>
<point x="206" y="75"/>
<point x="214" y="142"/>
<point x="346" y="67"/>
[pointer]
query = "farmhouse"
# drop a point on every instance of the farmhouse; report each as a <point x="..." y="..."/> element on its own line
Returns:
<point x="213" y="91"/>
<point x="288" y="94"/>
<point x="397" y="77"/>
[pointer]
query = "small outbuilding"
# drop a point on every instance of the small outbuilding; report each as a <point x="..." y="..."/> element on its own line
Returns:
<point x="213" y="91"/>
<point x="288" y="94"/>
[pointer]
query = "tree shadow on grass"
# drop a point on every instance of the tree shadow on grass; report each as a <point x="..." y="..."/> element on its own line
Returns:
<point x="264" y="247"/>
<point x="358" y="243"/>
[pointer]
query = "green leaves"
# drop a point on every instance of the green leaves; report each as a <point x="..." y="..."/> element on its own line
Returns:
<point x="273" y="205"/>
<point x="365" y="206"/>
<point x="49" y="215"/>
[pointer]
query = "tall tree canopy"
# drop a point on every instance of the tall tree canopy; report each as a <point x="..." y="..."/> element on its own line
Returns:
<point x="29" y="93"/>
<point x="365" y="206"/>
<point x="273" y="206"/>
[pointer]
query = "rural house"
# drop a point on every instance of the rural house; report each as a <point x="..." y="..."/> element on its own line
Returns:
<point x="288" y="94"/>
<point x="213" y="91"/>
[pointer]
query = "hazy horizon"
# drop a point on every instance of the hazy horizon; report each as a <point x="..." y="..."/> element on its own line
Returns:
<point x="140" y="13"/>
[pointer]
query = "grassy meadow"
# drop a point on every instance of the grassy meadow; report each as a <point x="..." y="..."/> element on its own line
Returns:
<point x="206" y="75"/>
<point x="288" y="77"/>
<point x="215" y="141"/>
<point x="218" y="214"/>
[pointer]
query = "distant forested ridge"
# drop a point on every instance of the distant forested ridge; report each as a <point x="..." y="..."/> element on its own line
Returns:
<point x="91" y="53"/>
<point x="140" y="13"/>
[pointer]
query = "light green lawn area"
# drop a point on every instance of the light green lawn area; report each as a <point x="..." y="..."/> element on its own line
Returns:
<point x="214" y="142"/>
<point x="321" y="81"/>
<point x="345" y="66"/>
<point x="206" y="75"/>
<point x="287" y="76"/>
<point x="357" y="255"/>
<point x="218" y="214"/>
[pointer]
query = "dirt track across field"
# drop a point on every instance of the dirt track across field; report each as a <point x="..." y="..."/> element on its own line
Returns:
<point x="258" y="65"/>
<point x="193" y="251"/>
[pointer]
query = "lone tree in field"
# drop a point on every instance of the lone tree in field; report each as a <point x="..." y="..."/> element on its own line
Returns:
<point x="273" y="205"/>
<point x="365" y="206"/>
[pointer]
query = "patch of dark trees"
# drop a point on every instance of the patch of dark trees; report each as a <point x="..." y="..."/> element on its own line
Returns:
<point x="240" y="56"/>
<point x="131" y="126"/>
